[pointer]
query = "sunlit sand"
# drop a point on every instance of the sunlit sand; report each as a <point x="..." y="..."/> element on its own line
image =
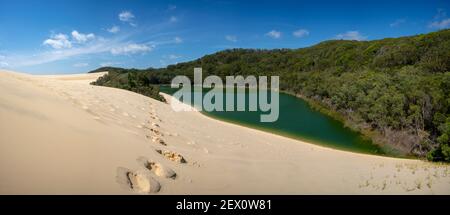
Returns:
<point x="60" y="135"/>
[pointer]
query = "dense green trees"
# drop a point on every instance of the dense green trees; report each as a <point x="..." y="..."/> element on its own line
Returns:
<point x="395" y="90"/>
<point x="132" y="80"/>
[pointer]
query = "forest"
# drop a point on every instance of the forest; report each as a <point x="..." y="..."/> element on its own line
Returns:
<point x="394" y="90"/>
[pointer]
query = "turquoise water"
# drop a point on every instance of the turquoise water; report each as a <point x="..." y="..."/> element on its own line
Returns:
<point x="296" y="120"/>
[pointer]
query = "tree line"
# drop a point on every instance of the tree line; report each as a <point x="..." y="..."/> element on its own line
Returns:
<point x="394" y="90"/>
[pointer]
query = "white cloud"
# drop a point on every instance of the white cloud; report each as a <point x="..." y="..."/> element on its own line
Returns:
<point x="440" y="20"/>
<point x="126" y="16"/>
<point x="231" y="38"/>
<point x="300" y="33"/>
<point x="351" y="35"/>
<point x="131" y="48"/>
<point x="397" y="22"/>
<point x="58" y="41"/>
<point x="114" y="29"/>
<point x="66" y="46"/>
<point x="173" y="19"/>
<point x="81" y="38"/>
<point x="274" y="34"/>
<point x="173" y="57"/>
<point x="97" y="46"/>
<point x="81" y="65"/>
<point x="445" y="23"/>
<point x="178" y="40"/>
<point x="4" y="64"/>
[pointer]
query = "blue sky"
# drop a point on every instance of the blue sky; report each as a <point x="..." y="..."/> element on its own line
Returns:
<point x="48" y="37"/>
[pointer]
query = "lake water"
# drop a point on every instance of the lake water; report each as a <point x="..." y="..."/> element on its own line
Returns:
<point x="296" y="120"/>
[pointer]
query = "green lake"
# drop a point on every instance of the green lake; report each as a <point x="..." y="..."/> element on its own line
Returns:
<point x="296" y="120"/>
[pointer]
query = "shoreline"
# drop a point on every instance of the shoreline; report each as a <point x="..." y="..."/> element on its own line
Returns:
<point x="99" y="140"/>
<point x="370" y="135"/>
<point x="169" y="98"/>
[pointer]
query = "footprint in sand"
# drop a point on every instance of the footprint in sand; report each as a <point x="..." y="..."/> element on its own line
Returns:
<point x="156" y="132"/>
<point x="158" y="140"/>
<point x="157" y="168"/>
<point x="139" y="181"/>
<point x="173" y="156"/>
<point x="156" y="118"/>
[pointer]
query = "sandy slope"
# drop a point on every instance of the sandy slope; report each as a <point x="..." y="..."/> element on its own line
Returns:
<point x="58" y="134"/>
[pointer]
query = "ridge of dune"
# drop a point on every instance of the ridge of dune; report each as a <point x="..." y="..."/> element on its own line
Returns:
<point x="60" y="135"/>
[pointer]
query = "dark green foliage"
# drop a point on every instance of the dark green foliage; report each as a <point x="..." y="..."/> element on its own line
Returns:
<point x="397" y="89"/>
<point x="137" y="82"/>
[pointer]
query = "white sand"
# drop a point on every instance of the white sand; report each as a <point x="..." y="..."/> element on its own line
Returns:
<point x="60" y="135"/>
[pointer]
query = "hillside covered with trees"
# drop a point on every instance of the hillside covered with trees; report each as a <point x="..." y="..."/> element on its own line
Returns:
<point x="394" y="90"/>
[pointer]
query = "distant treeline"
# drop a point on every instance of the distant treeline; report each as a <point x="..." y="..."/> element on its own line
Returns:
<point x="132" y="81"/>
<point x="395" y="90"/>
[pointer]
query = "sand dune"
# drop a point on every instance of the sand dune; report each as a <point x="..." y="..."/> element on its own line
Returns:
<point x="60" y="135"/>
